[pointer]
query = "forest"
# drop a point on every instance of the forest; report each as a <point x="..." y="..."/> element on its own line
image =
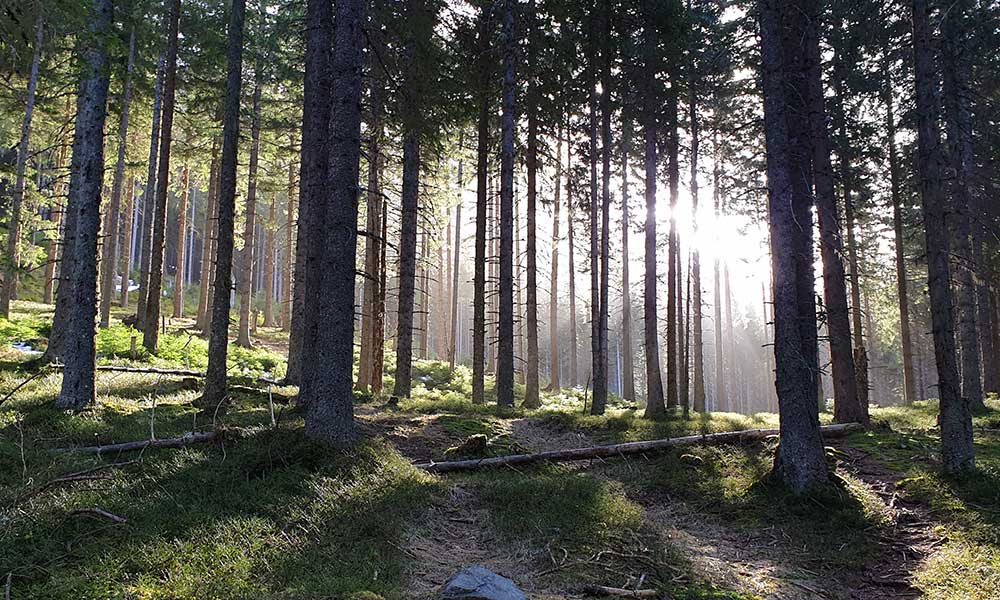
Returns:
<point x="500" y="299"/>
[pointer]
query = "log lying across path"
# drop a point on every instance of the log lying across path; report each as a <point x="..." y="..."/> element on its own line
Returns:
<point x="185" y="440"/>
<point x="624" y="449"/>
<point x="159" y="371"/>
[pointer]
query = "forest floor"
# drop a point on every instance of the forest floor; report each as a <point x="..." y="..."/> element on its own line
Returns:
<point x="266" y="513"/>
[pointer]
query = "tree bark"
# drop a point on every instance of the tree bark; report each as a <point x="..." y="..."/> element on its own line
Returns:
<point x="56" y="218"/>
<point x="962" y="158"/>
<point x="698" y="360"/>
<point x="655" y="406"/>
<point x="407" y="264"/>
<point x="330" y="415"/>
<point x="574" y="342"/>
<point x="109" y="256"/>
<point x="218" y="341"/>
<point x="482" y="199"/>
<point x="554" y="380"/>
<point x="244" y="279"/>
<point x="531" y="399"/>
<point x="600" y="396"/>
<point x="372" y="243"/>
<point x="628" y="381"/>
<point x="151" y="324"/>
<point x="149" y="197"/>
<point x="594" y="211"/>
<point x="902" y="293"/>
<point x="84" y="206"/>
<point x="288" y="256"/>
<point x="456" y="253"/>
<point x="127" y="244"/>
<point x="208" y="240"/>
<point x="269" y="290"/>
<point x="673" y="175"/>
<point x="313" y="174"/>
<point x="847" y="404"/>
<point x="181" y="230"/>
<point x="379" y="320"/>
<point x="955" y="418"/>
<point x="505" y="331"/>
<point x="721" y="399"/>
<point x="13" y="262"/>
<point x="799" y="462"/>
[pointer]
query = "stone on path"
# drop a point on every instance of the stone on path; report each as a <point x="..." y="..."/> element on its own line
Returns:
<point x="479" y="583"/>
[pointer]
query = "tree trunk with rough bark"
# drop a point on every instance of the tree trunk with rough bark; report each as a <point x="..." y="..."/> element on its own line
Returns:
<point x="628" y="381"/>
<point x="109" y="256"/>
<point x="958" y="117"/>
<point x="181" y="231"/>
<point x="505" y="330"/>
<point x="698" y="346"/>
<point x="218" y="341"/>
<point x="13" y="263"/>
<point x="126" y="266"/>
<point x="208" y="241"/>
<point x="244" y="277"/>
<point x="56" y="218"/>
<point x="482" y="199"/>
<point x="902" y="292"/>
<point x="288" y="256"/>
<point x="313" y="171"/>
<point x="655" y="406"/>
<point x="373" y="212"/>
<point x="574" y="342"/>
<point x="847" y="405"/>
<point x="151" y="323"/>
<point x="407" y="265"/>
<point x="799" y="462"/>
<point x="269" y="266"/>
<point x="456" y="253"/>
<point x="149" y="197"/>
<point x="531" y="399"/>
<point x="673" y="176"/>
<point x="330" y="415"/>
<point x="554" y="380"/>
<point x="955" y="418"/>
<point x="87" y="170"/>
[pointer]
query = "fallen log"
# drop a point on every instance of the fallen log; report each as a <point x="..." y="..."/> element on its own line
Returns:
<point x="185" y="440"/>
<point x="99" y="512"/>
<point x="603" y="590"/>
<point x="144" y="370"/>
<point x="625" y="449"/>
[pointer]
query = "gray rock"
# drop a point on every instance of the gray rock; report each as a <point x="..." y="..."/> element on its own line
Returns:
<point x="479" y="583"/>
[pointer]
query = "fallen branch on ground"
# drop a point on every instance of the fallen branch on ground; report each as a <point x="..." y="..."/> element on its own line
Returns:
<point x="145" y="370"/>
<point x="100" y="512"/>
<point x="603" y="590"/>
<point x="178" y="442"/>
<point x="624" y="449"/>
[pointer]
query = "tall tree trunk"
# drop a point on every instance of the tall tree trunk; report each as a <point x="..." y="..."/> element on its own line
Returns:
<point x="151" y="323"/>
<point x="554" y="380"/>
<point x="56" y="218"/>
<point x="127" y="243"/>
<point x="594" y="210"/>
<point x="698" y="346"/>
<point x="847" y="405"/>
<point x="181" y="231"/>
<point x="628" y="381"/>
<point x="799" y="462"/>
<point x="218" y="341"/>
<point x="288" y="261"/>
<point x="902" y="294"/>
<point x="453" y="325"/>
<point x="960" y="152"/>
<point x="531" y="399"/>
<point x="424" y="297"/>
<point x="208" y="240"/>
<point x="955" y="417"/>
<point x="269" y="266"/>
<point x="600" y="396"/>
<point x="379" y="320"/>
<point x="330" y="416"/>
<point x="574" y="342"/>
<point x="149" y="197"/>
<point x="655" y="406"/>
<point x="673" y="176"/>
<point x="14" y="226"/>
<point x="684" y="364"/>
<point x="482" y="198"/>
<point x="505" y="330"/>
<point x="373" y="212"/>
<point x="87" y="169"/>
<point x="519" y="300"/>
<point x="721" y="399"/>
<point x="407" y="264"/>
<point x="244" y="278"/>
<point x="109" y="256"/>
<point x="991" y="363"/>
<point x="313" y="171"/>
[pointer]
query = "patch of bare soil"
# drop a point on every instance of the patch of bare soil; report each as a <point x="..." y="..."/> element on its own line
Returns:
<point x="537" y="436"/>
<point x="418" y="437"/>
<point x="455" y="533"/>
<point x="909" y="541"/>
